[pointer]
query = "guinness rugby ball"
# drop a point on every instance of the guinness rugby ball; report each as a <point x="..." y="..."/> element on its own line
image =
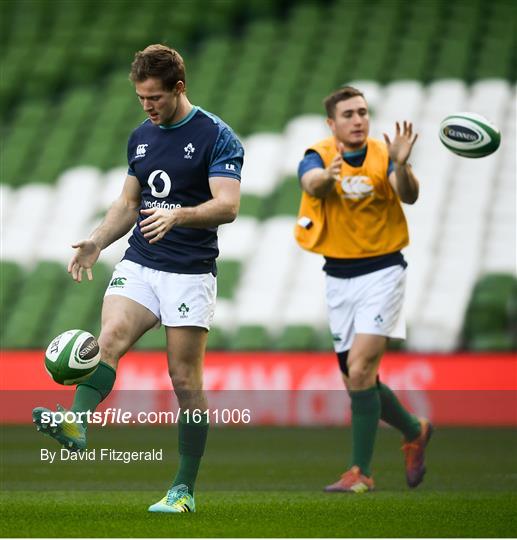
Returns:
<point x="469" y="135"/>
<point x="72" y="357"/>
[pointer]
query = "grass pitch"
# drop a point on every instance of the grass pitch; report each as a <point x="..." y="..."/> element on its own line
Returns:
<point x="262" y="482"/>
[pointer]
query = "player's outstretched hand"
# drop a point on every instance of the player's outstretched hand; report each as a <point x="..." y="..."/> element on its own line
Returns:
<point x="157" y="224"/>
<point x="400" y="148"/>
<point x="84" y="258"/>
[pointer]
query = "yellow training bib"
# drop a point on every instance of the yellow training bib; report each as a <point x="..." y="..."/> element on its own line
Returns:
<point x="361" y="217"/>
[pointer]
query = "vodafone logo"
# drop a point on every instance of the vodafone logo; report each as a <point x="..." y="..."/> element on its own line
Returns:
<point x="356" y="187"/>
<point x="165" y="178"/>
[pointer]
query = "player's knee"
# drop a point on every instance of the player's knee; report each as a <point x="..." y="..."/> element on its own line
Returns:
<point x="358" y="377"/>
<point x="361" y="373"/>
<point x="112" y="343"/>
<point x="188" y="391"/>
<point x="180" y="383"/>
<point x="183" y="382"/>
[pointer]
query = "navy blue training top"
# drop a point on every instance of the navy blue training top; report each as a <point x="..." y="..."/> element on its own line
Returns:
<point x="173" y="164"/>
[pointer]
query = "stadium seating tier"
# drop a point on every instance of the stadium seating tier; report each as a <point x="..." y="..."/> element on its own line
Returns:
<point x="264" y="66"/>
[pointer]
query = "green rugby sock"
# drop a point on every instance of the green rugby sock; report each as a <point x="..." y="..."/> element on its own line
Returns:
<point x="366" y="411"/>
<point x="394" y="414"/>
<point x="191" y="445"/>
<point x="91" y="392"/>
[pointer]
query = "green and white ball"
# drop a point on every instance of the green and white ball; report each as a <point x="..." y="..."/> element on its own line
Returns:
<point x="469" y="135"/>
<point x="72" y="357"/>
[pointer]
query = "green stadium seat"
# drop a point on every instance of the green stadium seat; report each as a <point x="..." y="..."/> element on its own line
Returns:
<point x="217" y="339"/>
<point x="27" y="22"/>
<point x="396" y="345"/>
<point x="312" y="102"/>
<point x="27" y="324"/>
<point x="47" y="72"/>
<point x="267" y="123"/>
<point x="11" y="278"/>
<point x="94" y="151"/>
<point x="352" y="8"/>
<point x="153" y="339"/>
<point x="496" y="342"/>
<point x="485" y="316"/>
<point x="250" y="338"/>
<point x="54" y="152"/>
<point x="503" y="286"/>
<point x="76" y="104"/>
<point x="22" y="143"/>
<point x="263" y="30"/>
<point x="14" y="67"/>
<point x="324" y="341"/>
<point x="207" y="66"/>
<point x="304" y="21"/>
<point x="285" y="200"/>
<point x="261" y="8"/>
<point x="251" y="205"/>
<point x="81" y="304"/>
<point x="412" y="61"/>
<point x="297" y="338"/>
<point x="492" y="313"/>
<point x="372" y="61"/>
<point x="228" y="274"/>
<point x="495" y="59"/>
<point x="453" y="59"/>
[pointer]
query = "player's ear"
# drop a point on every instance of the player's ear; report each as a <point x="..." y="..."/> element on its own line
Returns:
<point x="331" y="124"/>
<point x="179" y="87"/>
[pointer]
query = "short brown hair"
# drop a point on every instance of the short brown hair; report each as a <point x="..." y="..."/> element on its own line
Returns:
<point x="158" y="62"/>
<point x="342" y="94"/>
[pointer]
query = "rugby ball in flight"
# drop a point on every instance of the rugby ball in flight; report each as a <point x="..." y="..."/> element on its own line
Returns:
<point x="469" y="135"/>
<point x="72" y="357"/>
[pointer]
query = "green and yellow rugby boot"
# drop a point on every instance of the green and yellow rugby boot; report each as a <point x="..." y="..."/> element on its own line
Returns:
<point x="71" y="435"/>
<point x="178" y="499"/>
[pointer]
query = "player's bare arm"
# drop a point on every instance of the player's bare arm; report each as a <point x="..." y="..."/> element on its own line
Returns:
<point x="320" y="182"/>
<point x="222" y="208"/>
<point x="402" y="179"/>
<point x="119" y="219"/>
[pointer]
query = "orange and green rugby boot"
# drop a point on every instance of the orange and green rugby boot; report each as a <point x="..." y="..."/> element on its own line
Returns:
<point x="414" y="454"/>
<point x="352" y="481"/>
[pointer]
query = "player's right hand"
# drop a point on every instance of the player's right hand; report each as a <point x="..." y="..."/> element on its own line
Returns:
<point x="84" y="258"/>
<point x="334" y="169"/>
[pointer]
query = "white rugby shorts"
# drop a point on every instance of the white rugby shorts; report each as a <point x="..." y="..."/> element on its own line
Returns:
<point x="368" y="304"/>
<point x="175" y="299"/>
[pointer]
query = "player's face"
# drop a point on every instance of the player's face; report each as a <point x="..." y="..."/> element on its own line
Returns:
<point x="351" y="123"/>
<point x="159" y="104"/>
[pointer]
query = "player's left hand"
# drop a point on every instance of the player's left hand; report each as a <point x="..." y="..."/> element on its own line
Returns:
<point x="157" y="224"/>
<point x="400" y="148"/>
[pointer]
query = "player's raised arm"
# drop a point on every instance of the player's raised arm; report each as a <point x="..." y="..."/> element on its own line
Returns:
<point x="119" y="219"/>
<point x="222" y="208"/>
<point x="402" y="179"/>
